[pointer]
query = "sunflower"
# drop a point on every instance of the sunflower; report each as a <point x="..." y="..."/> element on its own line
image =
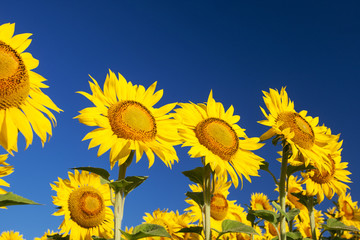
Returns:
<point x="46" y="235"/>
<point x="22" y="103"/>
<point x="306" y="138"/>
<point x="84" y="202"/>
<point x="213" y="134"/>
<point x="5" y="170"/>
<point x="11" y="235"/>
<point x="260" y="201"/>
<point x="303" y="224"/>
<point x="127" y="120"/>
<point x="220" y="207"/>
<point x="348" y="211"/>
<point x="328" y="182"/>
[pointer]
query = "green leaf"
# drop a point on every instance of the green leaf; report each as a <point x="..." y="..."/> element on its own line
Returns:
<point x="146" y="230"/>
<point x="278" y="207"/>
<point x="293" y="235"/>
<point x="198" y="197"/>
<point x="104" y="175"/>
<point x="57" y="237"/>
<point x="119" y="185"/>
<point x="196" y="230"/>
<point x="9" y="199"/>
<point x="292" y="213"/>
<point x="196" y="175"/>
<point x="293" y="169"/>
<point x="231" y="226"/>
<point x="134" y="181"/>
<point x="334" y="224"/>
<point x="267" y="215"/>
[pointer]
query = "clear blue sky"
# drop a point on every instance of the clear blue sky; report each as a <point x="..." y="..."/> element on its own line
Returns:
<point x="235" y="48"/>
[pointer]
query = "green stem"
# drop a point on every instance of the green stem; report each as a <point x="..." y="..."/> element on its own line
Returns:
<point x="120" y="198"/>
<point x="312" y="218"/>
<point x="207" y="202"/>
<point x="282" y="191"/>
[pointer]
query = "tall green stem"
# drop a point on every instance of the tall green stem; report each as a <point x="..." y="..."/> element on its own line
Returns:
<point x="207" y="202"/>
<point x="120" y="198"/>
<point x="312" y="218"/>
<point x="282" y="190"/>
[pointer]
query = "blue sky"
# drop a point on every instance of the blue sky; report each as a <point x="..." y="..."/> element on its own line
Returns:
<point x="236" y="48"/>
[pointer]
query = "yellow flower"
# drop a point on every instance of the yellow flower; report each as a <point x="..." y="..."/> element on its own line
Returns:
<point x="348" y="211"/>
<point x="11" y="235"/>
<point x="5" y="170"/>
<point x="213" y="133"/>
<point x="220" y="207"/>
<point x="303" y="224"/>
<point x="46" y="235"/>
<point x="22" y="103"/>
<point x="306" y="138"/>
<point x="328" y="183"/>
<point x="127" y="120"/>
<point x="260" y="201"/>
<point x="84" y="202"/>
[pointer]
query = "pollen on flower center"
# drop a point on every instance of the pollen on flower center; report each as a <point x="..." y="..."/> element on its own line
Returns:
<point x="86" y="206"/>
<point x="218" y="207"/>
<point x="218" y="136"/>
<point x="322" y="177"/>
<point x="14" y="79"/>
<point x="132" y="120"/>
<point x="304" y="134"/>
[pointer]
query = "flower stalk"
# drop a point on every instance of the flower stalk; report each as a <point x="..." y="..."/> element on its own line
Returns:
<point x="282" y="189"/>
<point x="207" y="202"/>
<point x="312" y="217"/>
<point x="120" y="198"/>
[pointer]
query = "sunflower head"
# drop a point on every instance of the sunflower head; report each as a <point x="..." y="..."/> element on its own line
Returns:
<point x="259" y="201"/>
<point x="11" y="235"/>
<point x="23" y="105"/>
<point x="212" y="133"/>
<point x="127" y="120"/>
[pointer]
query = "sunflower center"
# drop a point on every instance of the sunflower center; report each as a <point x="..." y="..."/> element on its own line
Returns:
<point x="324" y="176"/>
<point x="259" y="206"/>
<point x="304" y="134"/>
<point x="86" y="206"/>
<point x="14" y="79"/>
<point x="348" y="210"/>
<point x="272" y="229"/>
<point x="218" y="136"/>
<point x="218" y="207"/>
<point x="132" y="120"/>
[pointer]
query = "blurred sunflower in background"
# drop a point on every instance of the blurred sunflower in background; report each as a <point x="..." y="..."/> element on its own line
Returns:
<point x="127" y="121"/>
<point x="47" y="235"/>
<point x="302" y="224"/>
<point x="212" y="133"/>
<point x="259" y="201"/>
<point x="348" y="211"/>
<point x="11" y="235"/>
<point x="23" y="105"/>
<point x="306" y="138"/>
<point x="5" y="170"/>
<point x="83" y="201"/>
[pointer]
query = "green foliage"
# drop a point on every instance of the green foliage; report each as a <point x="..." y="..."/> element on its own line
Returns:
<point x="104" y="175"/>
<point x="231" y="226"/>
<point x="146" y="230"/>
<point x="267" y="215"/>
<point x="293" y="169"/>
<point x="58" y="237"/>
<point x="128" y="184"/>
<point x="198" y="197"/>
<point x="196" y="230"/>
<point x="196" y="175"/>
<point x="288" y="215"/>
<point x="333" y="224"/>
<point x="9" y="199"/>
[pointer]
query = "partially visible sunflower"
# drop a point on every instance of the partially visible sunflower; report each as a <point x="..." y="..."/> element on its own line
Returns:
<point x="259" y="201"/>
<point x="220" y="208"/>
<point x="47" y="235"/>
<point x="306" y="138"/>
<point x="5" y="170"/>
<point x="171" y="221"/>
<point x="212" y="133"/>
<point x="11" y="235"/>
<point x="84" y="202"/>
<point x="348" y="211"/>
<point x="127" y="120"/>
<point x="328" y="183"/>
<point x="22" y="103"/>
<point x="293" y="186"/>
<point x="303" y="224"/>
